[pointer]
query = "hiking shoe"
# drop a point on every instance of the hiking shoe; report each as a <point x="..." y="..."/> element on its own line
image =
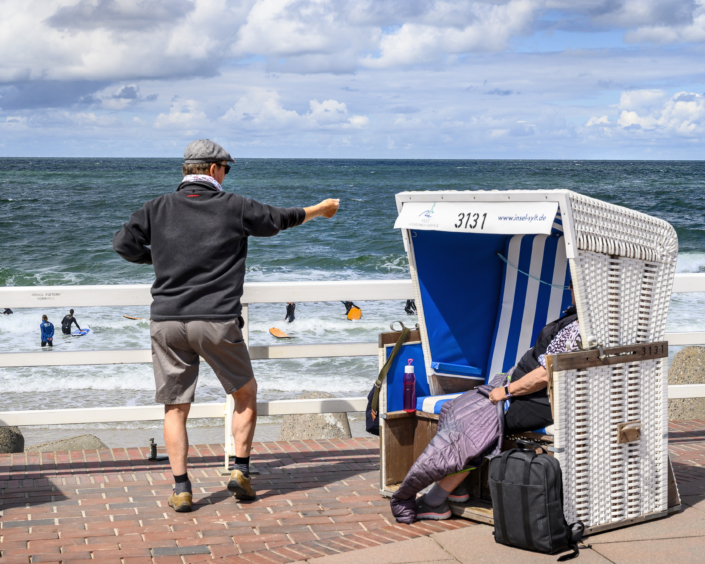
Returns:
<point x="180" y="502"/>
<point x="239" y="484"/>
<point x="459" y="494"/>
<point x="426" y="511"/>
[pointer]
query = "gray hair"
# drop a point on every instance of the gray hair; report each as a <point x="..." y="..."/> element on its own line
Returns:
<point x="196" y="168"/>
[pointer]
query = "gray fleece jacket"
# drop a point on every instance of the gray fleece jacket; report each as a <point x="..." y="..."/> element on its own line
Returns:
<point x="196" y="238"/>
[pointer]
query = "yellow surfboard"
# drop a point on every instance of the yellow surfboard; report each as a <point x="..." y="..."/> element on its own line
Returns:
<point x="278" y="333"/>
<point x="355" y="313"/>
<point x="136" y="318"/>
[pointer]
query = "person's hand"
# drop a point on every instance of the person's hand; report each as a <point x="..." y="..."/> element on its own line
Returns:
<point x="329" y="207"/>
<point x="497" y="395"/>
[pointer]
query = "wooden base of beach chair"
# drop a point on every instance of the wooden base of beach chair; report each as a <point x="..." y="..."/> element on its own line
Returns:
<point x="406" y="435"/>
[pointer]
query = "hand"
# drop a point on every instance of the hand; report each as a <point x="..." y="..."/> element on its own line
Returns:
<point x="329" y="207"/>
<point x="497" y="395"/>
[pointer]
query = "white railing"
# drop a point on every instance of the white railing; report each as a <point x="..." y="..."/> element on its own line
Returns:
<point x="265" y="292"/>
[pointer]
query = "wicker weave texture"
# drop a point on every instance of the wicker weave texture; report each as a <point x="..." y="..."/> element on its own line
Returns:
<point x="614" y="230"/>
<point x="621" y="301"/>
<point x="607" y="482"/>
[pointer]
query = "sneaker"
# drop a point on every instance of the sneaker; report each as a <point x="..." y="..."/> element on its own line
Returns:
<point x="239" y="484"/>
<point x="459" y="494"/>
<point x="181" y="502"/>
<point x="437" y="513"/>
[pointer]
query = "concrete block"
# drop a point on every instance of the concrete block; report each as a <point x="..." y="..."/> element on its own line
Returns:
<point x="315" y="426"/>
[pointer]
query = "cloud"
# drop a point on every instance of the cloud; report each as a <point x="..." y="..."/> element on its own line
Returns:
<point x="261" y="111"/>
<point x="690" y="29"/>
<point x="500" y="92"/>
<point x="184" y="115"/>
<point x="119" y="15"/>
<point x="436" y="78"/>
<point x="654" y="114"/>
<point x="455" y="28"/>
<point x="47" y="93"/>
<point x="599" y="121"/>
<point x="113" y="40"/>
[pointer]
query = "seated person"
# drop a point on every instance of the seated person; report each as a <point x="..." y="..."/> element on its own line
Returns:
<point x="529" y="407"/>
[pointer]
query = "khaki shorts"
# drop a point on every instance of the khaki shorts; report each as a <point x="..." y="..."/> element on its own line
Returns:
<point x="176" y="346"/>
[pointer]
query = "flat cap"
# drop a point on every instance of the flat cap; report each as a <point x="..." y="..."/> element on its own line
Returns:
<point x="205" y="151"/>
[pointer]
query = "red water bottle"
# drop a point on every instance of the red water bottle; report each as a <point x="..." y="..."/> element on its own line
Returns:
<point x="409" y="388"/>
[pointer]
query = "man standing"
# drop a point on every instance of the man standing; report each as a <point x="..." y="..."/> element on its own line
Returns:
<point x="47" y="332"/>
<point x="66" y="323"/>
<point x="198" y="237"/>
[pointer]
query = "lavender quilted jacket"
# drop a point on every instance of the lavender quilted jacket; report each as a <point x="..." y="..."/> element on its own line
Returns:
<point x="470" y="427"/>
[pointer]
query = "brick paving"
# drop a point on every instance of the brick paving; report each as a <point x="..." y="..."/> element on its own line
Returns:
<point x="315" y="498"/>
<point x="686" y="442"/>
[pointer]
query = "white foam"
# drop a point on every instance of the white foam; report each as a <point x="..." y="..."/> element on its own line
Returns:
<point x="691" y="262"/>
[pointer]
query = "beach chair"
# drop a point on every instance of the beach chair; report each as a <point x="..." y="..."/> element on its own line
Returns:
<point x="490" y="270"/>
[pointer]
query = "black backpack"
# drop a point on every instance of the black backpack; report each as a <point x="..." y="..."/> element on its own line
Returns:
<point x="527" y="500"/>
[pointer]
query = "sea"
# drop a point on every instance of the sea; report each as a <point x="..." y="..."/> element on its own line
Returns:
<point x="58" y="216"/>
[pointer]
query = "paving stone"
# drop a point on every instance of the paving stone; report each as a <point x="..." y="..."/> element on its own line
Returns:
<point x="325" y="486"/>
<point x="688" y="523"/>
<point x="179" y="550"/>
<point x="33" y="523"/>
<point x="682" y="551"/>
<point x="411" y="551"/>
<point x="476" y="545"/>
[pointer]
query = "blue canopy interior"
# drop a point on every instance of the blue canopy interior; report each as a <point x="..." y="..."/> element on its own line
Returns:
<point x="395" y="376"/>
<point x="460" y="278"/>
<point x="485" y="298"/>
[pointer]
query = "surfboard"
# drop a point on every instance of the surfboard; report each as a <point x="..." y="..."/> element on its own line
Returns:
<point x="355" y="313"/>
<point x="136" y="318"/>
<point x="82" y="332"/>
<point x="278" y="333"/>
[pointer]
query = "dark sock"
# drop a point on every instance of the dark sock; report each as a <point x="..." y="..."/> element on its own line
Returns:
<point x="243" y="464"/>
<point x="182" y="484"/>
<point x="436" y="496"/>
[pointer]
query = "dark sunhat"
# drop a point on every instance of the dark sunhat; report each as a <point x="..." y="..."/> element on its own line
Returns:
<point x="205" y="151"/>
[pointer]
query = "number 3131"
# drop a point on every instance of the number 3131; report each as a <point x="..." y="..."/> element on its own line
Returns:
<point x="471" y="220"/>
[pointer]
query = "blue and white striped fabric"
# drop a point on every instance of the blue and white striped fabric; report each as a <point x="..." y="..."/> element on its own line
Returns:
<point x="527" y="305"/>
<point x="433" y="404"/>
<point x="557" y="228"/>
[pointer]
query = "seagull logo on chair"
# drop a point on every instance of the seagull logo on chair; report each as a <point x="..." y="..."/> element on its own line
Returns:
<point x="428" y="213"/>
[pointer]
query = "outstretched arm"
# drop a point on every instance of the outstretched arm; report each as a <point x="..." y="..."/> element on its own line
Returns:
<point x="132" y="241"/>
<point x="532" y="382"/>
<point x="327" y="208"/>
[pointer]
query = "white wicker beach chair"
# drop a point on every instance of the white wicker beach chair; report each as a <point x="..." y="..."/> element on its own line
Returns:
<point x="489" y="270"/>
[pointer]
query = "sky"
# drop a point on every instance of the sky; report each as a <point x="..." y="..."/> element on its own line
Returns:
<point x="515" y="79"/>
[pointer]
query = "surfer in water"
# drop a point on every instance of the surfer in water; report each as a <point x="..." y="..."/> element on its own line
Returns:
<point x="7" y="311"/>
<point x="410" y="307"/>
<point x="47" y="332"/>
<point x="290" y="308"/>
<point x="66" y="323"/>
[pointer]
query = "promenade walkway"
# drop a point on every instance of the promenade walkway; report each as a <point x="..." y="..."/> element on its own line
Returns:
<point x="318" y="501"/>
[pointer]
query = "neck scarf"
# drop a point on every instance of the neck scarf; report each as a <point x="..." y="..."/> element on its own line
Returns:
<point x="203" y="178"/>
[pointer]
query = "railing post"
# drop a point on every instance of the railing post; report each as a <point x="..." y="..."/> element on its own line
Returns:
<point x="230" y="402"/>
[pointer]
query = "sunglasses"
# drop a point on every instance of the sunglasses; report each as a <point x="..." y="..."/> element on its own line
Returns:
<point x="227" y="167"/>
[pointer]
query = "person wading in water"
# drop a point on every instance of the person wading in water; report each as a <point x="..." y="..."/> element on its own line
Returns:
<point x="290" y="309"/>
<point x="66" y="323"/>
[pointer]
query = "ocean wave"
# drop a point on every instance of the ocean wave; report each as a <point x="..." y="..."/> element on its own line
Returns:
<point x="690" y="262"/>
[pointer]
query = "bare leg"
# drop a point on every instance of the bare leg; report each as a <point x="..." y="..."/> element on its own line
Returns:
<point x="245" y="418"/>
<point x="449" y="483"/>
<point x="175" y="436"/>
